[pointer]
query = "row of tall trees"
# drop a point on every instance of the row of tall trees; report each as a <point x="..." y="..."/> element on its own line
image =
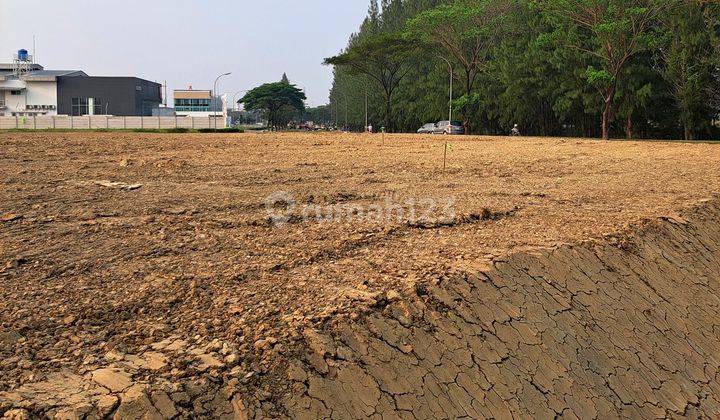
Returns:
<point x="596" y="68"/>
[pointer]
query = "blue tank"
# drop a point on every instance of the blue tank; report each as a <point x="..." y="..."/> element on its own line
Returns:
<point x="22" y="55"/>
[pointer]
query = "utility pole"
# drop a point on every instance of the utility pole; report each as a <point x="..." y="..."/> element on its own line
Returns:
<point x="214" y="97"/>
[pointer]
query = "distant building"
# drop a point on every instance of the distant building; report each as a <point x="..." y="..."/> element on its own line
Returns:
<point x="30" y="90"/>
<point x="198" y="103"/>
<point x="27" y="89"/>
<point x="124" y="96"/>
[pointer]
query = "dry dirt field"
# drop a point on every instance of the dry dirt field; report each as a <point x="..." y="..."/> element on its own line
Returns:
<point x="111" y="242"/>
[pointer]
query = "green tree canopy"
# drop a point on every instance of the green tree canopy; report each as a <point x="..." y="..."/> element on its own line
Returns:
<point x="383" y="58"/>
<point x="272" y="99"/>
<point x="592" y="68"/>
<point x="688" y="62"/>
<point x="462" y="33"/>
<point x="610" y="33"/>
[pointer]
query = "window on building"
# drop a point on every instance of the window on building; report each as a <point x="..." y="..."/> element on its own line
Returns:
<point x="197" y="105"/>
<point x="16" y="92"/>
<point x="79" y="106"/>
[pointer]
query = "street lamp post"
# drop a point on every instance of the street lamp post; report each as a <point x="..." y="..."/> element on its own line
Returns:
<point x="214" y="93"/>
<point x="451" y="84"/>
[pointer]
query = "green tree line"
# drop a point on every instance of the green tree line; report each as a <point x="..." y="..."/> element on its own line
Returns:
<point x="592" y="68"/>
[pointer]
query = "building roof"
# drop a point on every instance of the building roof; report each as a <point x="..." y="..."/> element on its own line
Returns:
<point x="40" y="75"/>
<point x="192" y="94"/>
<point x="50" y="75"/>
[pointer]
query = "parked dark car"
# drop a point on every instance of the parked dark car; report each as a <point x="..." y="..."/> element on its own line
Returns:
<point x="427" y="128"/>
<point x="449" y="127"/>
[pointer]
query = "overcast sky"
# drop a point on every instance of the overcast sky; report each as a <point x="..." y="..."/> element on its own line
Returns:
<point x="186" y="42"/>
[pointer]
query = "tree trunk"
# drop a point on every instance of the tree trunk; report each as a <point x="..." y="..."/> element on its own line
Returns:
<point x="606" y="123"/>
<point x="468" y="93"/>
<point x="688" y="131"/>
<point x="607" y="111"/>
<point x="629" y="127"/>
<point x="388" y="111"/>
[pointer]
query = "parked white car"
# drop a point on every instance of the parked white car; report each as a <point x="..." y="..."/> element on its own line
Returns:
<point x="428" y="128"/>
<point x="449" y="127"/>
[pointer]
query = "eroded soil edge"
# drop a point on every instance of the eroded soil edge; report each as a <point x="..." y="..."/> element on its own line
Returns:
<point x="622" y="327"/>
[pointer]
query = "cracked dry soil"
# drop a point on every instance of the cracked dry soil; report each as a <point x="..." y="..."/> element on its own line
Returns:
<point x="141" y="278"/>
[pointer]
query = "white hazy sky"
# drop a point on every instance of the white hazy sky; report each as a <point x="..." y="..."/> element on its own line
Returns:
<point x="186" y="42"/>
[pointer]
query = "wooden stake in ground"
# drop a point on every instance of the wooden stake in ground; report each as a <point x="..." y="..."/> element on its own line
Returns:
<point x="445" y="155"/>
<point x="448" y="146"/>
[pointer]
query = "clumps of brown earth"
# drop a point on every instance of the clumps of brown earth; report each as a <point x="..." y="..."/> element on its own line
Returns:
<point x="141" y="278"/>
<point x="152" y="384"/>
<point x="603" y="329"/>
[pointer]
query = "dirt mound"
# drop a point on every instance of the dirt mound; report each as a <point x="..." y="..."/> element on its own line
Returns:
<point x="623" y="327"/>
<point x="292" y="275"/>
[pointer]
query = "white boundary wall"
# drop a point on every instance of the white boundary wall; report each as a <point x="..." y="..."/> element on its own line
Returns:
<point x="109" y="122"/>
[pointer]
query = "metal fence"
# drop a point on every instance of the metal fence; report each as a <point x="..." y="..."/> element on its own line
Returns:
<point x="109" y="122"/>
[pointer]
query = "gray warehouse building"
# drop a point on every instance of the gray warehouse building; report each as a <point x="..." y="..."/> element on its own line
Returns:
<point x="123" y="96"/>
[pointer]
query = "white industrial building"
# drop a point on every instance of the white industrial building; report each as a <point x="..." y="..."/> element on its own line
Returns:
<point x="28" y="89"/>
